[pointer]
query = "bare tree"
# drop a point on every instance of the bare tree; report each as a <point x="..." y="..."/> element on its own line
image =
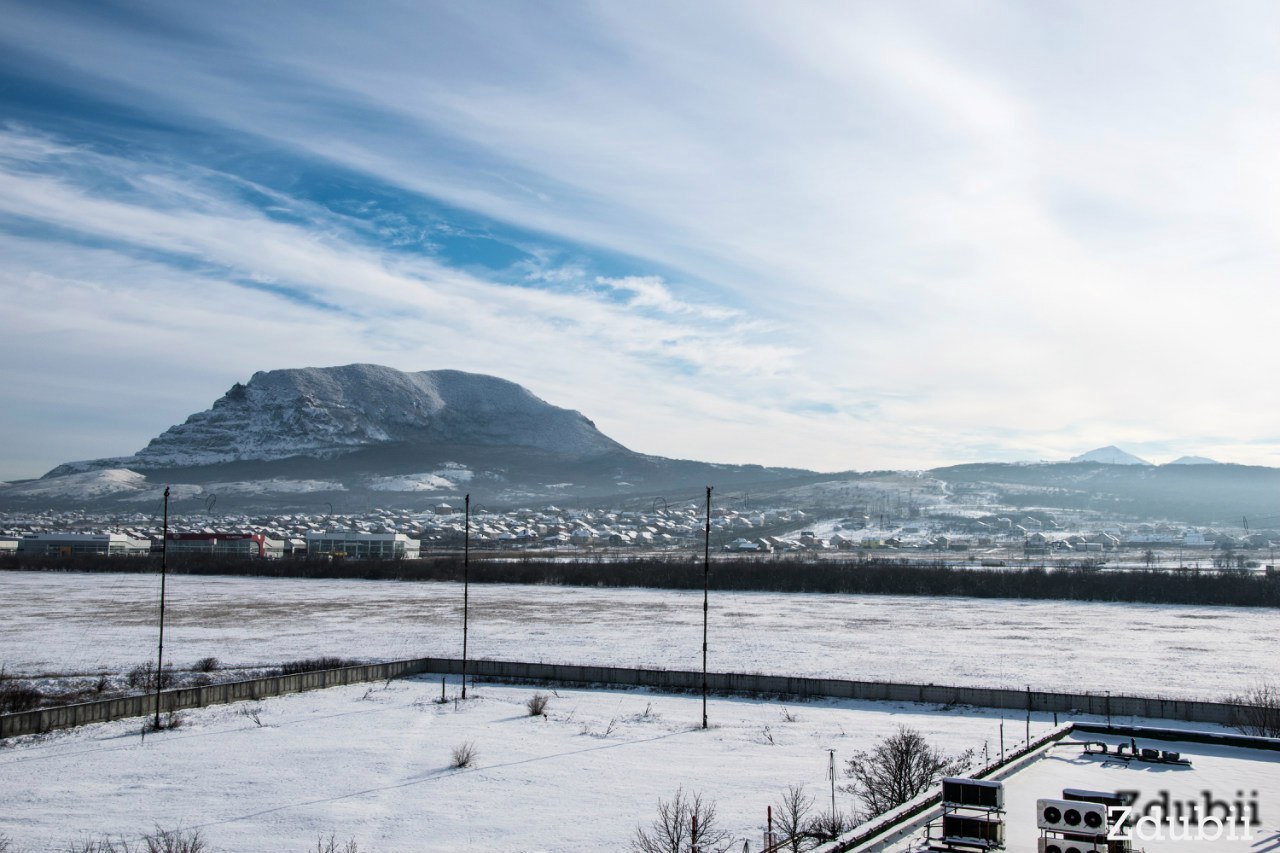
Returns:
<point x="899" y="768"/>
<point x="1257" y="712"/>
<point x="332" y="845"/>
<point x="684" y="823"/>
<point x="792" y="817"/>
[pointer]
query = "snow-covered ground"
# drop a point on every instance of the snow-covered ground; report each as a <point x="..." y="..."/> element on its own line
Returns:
<point x="88" y="623"/>
<point x="372" y="763"/>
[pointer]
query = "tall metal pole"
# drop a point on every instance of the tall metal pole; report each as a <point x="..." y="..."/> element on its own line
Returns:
<point x="164" y="566"/>
<point x="1028" y="715"/>
<point x="466" y="587"/>
<point x="706" y="585"/>
<point x="831" y="773"/>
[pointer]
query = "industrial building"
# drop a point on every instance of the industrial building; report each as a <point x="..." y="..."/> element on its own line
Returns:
<point x="226" y="544"/>
<point x="362" y="546"/>
<point x="69" y="544"/>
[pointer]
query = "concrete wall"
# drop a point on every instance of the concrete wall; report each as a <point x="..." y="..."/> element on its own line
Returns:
<point x="67" y="716"/>
<point x="1070" y="704"/>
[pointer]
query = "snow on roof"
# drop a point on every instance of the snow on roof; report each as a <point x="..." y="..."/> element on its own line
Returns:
<point x="1219" y="777"/>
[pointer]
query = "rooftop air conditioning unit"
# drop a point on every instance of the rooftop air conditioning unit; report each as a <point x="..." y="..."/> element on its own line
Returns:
<point x="968" y="829"/>
<point x="1106" y="798"/>
<point x="1061" y="845"/>
<point x="1071" y="816"/>
<point x="972" y="793"/>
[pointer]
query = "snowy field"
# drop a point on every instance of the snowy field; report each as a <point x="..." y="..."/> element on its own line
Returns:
<point x="90" y="623"/>
<point x="83" y="623"/>
<point x="372" y="763"/>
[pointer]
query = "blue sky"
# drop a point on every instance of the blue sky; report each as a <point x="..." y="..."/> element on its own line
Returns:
<point x="849" y="235"/>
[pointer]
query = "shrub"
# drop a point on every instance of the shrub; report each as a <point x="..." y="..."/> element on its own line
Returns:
<point x="330" y="845"/>
<point x="294" y="667"/>
<point x="176" y="841"/>
<point x="16" y="698"/>
<point x="464" y="755"/>
<point x="143" y="677"/>
<point x="171" y="720"/>
<point x="537" y="704"/>
<point x="163" y="841"/>
<point x="209" y="664"/>
<point x="827" y="826"/>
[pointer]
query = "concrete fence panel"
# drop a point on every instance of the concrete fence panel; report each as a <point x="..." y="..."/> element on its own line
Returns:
<point x="1100" y="705"/>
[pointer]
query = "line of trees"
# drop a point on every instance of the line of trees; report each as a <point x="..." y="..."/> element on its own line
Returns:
<point x="875" y="576"/>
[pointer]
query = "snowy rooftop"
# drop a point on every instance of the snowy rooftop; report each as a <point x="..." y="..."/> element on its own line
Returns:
<point x="1218" y="778"/>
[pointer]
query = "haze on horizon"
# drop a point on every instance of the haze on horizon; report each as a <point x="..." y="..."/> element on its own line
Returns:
<point x="831" y="236"/>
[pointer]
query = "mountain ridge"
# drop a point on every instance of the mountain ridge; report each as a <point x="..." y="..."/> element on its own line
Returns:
<point x="313" y="435"/>
<point x="322" y="412"/>
<point x="310" y="437"/>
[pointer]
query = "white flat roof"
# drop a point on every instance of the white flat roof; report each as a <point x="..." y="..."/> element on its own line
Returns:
<point x="1224" y="777"/>
<point x="1222" y="774"/>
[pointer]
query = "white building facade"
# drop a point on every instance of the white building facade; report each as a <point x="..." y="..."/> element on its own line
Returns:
<point x="362" y="546"/>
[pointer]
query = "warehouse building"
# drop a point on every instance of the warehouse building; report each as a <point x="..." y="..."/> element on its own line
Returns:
<point x="362" y="546"/>
<point x="226" y="544"/>
<point x="70" y="544"/>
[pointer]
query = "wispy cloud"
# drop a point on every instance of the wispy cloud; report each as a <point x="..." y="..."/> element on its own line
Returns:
<point x="831" y="235"/>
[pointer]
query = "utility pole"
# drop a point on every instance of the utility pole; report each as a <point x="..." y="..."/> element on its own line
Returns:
<point x="164" y="566"/>
<point x="1028" y="715"/>
<point x="831" y="773"/>
<point x="706" y="586"/>
<point x="466" y="587"/>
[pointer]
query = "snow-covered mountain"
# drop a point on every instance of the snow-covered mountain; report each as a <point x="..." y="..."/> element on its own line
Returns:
<point x="1194" y="460"/>
<point x="324" y="412"/>
<point x="1110" y="455"/>
<point x="371" y="434"/>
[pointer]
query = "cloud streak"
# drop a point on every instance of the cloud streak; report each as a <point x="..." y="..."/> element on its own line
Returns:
<point x="833" y="236"/>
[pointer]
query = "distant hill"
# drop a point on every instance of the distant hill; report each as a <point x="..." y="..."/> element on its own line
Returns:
<point x="367" y="434"/>
<point x="364" y="435"/>
<point x="1204" y="494"/>
<point x="1110" y="455"/>
<point x="1194" y="460"/>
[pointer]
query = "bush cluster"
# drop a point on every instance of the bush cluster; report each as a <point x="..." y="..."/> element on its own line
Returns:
<point x="294" y="667"/>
